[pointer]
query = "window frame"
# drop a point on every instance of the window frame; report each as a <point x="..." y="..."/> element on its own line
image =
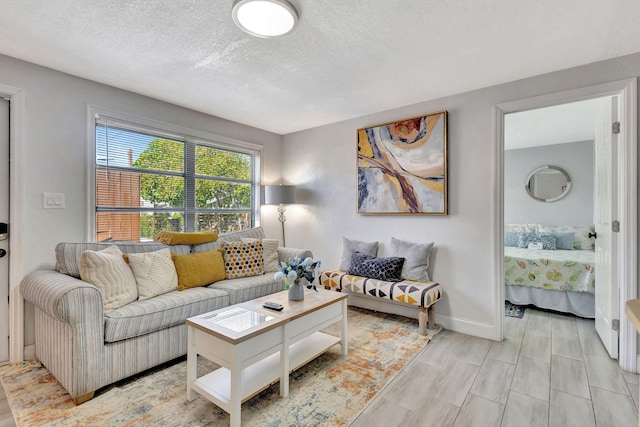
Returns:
<point x="189" y="136"/>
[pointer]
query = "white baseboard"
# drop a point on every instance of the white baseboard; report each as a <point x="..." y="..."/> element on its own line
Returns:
<point x="462" y="326"/>
<point x="30" y="352"/>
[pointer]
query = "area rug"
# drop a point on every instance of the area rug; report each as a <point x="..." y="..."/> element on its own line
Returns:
<point x="329" y="391"/>
<point x="512" y="310"/>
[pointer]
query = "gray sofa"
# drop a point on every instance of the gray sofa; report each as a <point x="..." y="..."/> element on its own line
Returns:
<point x="86" y="349"/>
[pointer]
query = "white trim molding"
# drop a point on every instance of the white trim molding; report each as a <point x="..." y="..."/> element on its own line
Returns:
<point x="16" y="210"/>
<point x="626" y="90"/>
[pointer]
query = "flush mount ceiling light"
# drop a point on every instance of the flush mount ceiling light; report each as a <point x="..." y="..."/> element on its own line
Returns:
<point x="265" y="18"/>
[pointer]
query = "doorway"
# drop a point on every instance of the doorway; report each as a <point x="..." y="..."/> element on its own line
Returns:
<point x="626" y="243"/>
<point x="4" y="242"/>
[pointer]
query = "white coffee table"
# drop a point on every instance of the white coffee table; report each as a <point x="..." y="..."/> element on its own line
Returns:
<point x="256" y="347"/>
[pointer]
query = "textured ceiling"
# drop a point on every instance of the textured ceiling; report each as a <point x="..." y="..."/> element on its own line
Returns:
<point x="560" y="124"/>
<point x="347" y="58"/>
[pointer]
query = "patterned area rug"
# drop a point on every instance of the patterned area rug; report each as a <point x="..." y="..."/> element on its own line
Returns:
<point x="513" y="310"/>
<point x="329" y="391"/>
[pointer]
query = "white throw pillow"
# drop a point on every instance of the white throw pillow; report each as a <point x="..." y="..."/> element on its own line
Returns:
<point x="269" y="253"/>
<point x="155" y="273"/>
<point x="416" y="257"/>
<point x="350" y="246"/>
<point x="108" y="271"/>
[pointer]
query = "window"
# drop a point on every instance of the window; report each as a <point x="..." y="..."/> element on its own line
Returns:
<point x="149" y="180"/>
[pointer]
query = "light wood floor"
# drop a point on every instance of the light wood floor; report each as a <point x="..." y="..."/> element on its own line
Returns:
<point x="551" y="370"/>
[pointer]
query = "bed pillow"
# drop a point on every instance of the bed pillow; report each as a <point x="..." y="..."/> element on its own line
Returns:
<point x="155" y="273"/>
<point x="548" y="240"/>
<point x="350" y="246"/>
<point x="109" y="272"/>
<point x="416" y="258"/>
<point x="511" y="238"/>
<point x="581" y="239"/>
<point x="387" y="269"/>
<point x="564" y="241"/>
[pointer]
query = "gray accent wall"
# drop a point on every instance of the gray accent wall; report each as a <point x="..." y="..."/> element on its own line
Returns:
<point x="576" y="208"/>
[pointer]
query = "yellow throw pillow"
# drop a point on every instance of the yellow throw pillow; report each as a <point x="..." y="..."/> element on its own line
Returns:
<point x="155" y="273"/>
<point x="242" y="259"/>
<point x="195" y="238"/>
<point x="108" y="271"/>
<point x="199" y="269"/>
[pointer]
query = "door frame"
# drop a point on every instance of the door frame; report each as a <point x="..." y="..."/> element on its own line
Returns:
<point x="627" y="264"/>
<point x="17" y="140"/>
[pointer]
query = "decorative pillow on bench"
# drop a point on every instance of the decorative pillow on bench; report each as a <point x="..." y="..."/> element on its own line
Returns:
<point x="387" y="269"/>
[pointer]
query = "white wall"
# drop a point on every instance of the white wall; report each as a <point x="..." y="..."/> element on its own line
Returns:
<point x="323" y="162"/>
<point x="576" y="208"/>
<point x="55" y="152"/>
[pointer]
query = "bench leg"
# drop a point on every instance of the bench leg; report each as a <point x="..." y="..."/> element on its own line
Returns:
<point x="84" y="398"/>
<point x="427" y="319"/>
<point x="422" y="321"/>
<point x="431" y="311"/>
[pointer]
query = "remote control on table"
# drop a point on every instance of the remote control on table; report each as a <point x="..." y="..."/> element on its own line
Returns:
<point x="273" y="306"/>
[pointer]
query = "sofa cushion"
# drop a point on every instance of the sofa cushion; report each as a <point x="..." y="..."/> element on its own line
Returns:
<point x="155" y="273"/>
<point x="243" y="259"/>
<point x="181" y="238"/>
<point x="108" y="271"/>
<point x="173" y="308"/>
<point x="236" y="236"/>
<point x="350" y="246"/>
<point x="422" y="294"/>
<point x="269" y="253"/>
<point x="248" y="288"/>
<point x="68" y="254"/>
<point x="199" y="269"/>
<point x="388" y="269"/>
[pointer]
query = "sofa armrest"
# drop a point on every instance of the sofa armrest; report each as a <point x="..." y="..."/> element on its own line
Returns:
<point x="69" y="329"/>
<point x="284" y="254"/>
<point x="61" y="296"/>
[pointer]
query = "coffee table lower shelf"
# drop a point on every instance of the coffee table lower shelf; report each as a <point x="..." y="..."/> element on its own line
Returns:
<point x="216" y="386"/>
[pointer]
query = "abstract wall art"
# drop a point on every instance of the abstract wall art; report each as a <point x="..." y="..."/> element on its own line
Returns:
<point x="402" y="167"/>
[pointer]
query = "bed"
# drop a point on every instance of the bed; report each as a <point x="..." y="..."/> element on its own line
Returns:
<point x="560" y="280"/>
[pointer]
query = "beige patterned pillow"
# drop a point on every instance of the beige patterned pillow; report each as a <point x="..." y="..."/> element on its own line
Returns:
<point x="108" y="271"/>
<point x="155" y="273"/>
<point x="269" y="253"/>
<point x="242" y="259"/>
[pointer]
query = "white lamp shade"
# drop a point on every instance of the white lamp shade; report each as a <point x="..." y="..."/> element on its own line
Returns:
<point x="265" y="18"/>
<point x="279" y="194"/>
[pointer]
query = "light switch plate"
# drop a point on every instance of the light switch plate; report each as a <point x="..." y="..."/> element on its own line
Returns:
<point x="53" y="200"/>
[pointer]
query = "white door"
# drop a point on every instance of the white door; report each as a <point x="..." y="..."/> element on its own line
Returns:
<point x="607" y="303"/>
<point x="4" y="242"/>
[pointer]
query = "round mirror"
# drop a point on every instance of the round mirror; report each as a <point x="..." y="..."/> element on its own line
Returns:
<point x="548" y="183"/>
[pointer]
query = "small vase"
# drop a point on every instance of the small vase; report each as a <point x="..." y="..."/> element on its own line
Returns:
<point x="296" y="291"/>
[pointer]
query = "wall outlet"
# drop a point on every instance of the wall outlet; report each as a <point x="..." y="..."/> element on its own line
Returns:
<point x="53" y="200"/>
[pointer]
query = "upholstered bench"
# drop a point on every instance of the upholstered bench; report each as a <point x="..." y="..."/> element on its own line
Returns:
<point x="421" y="295"/>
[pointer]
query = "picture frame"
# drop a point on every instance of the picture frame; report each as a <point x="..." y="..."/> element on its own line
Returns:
<point x="402" y="167"/>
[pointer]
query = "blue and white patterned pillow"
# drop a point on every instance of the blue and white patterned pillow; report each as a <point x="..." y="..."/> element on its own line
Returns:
<point x="564" y="241"/>
<point x="387" y="269"/>
<point x="548" y="240"/>
<point x="511" y="238"/>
